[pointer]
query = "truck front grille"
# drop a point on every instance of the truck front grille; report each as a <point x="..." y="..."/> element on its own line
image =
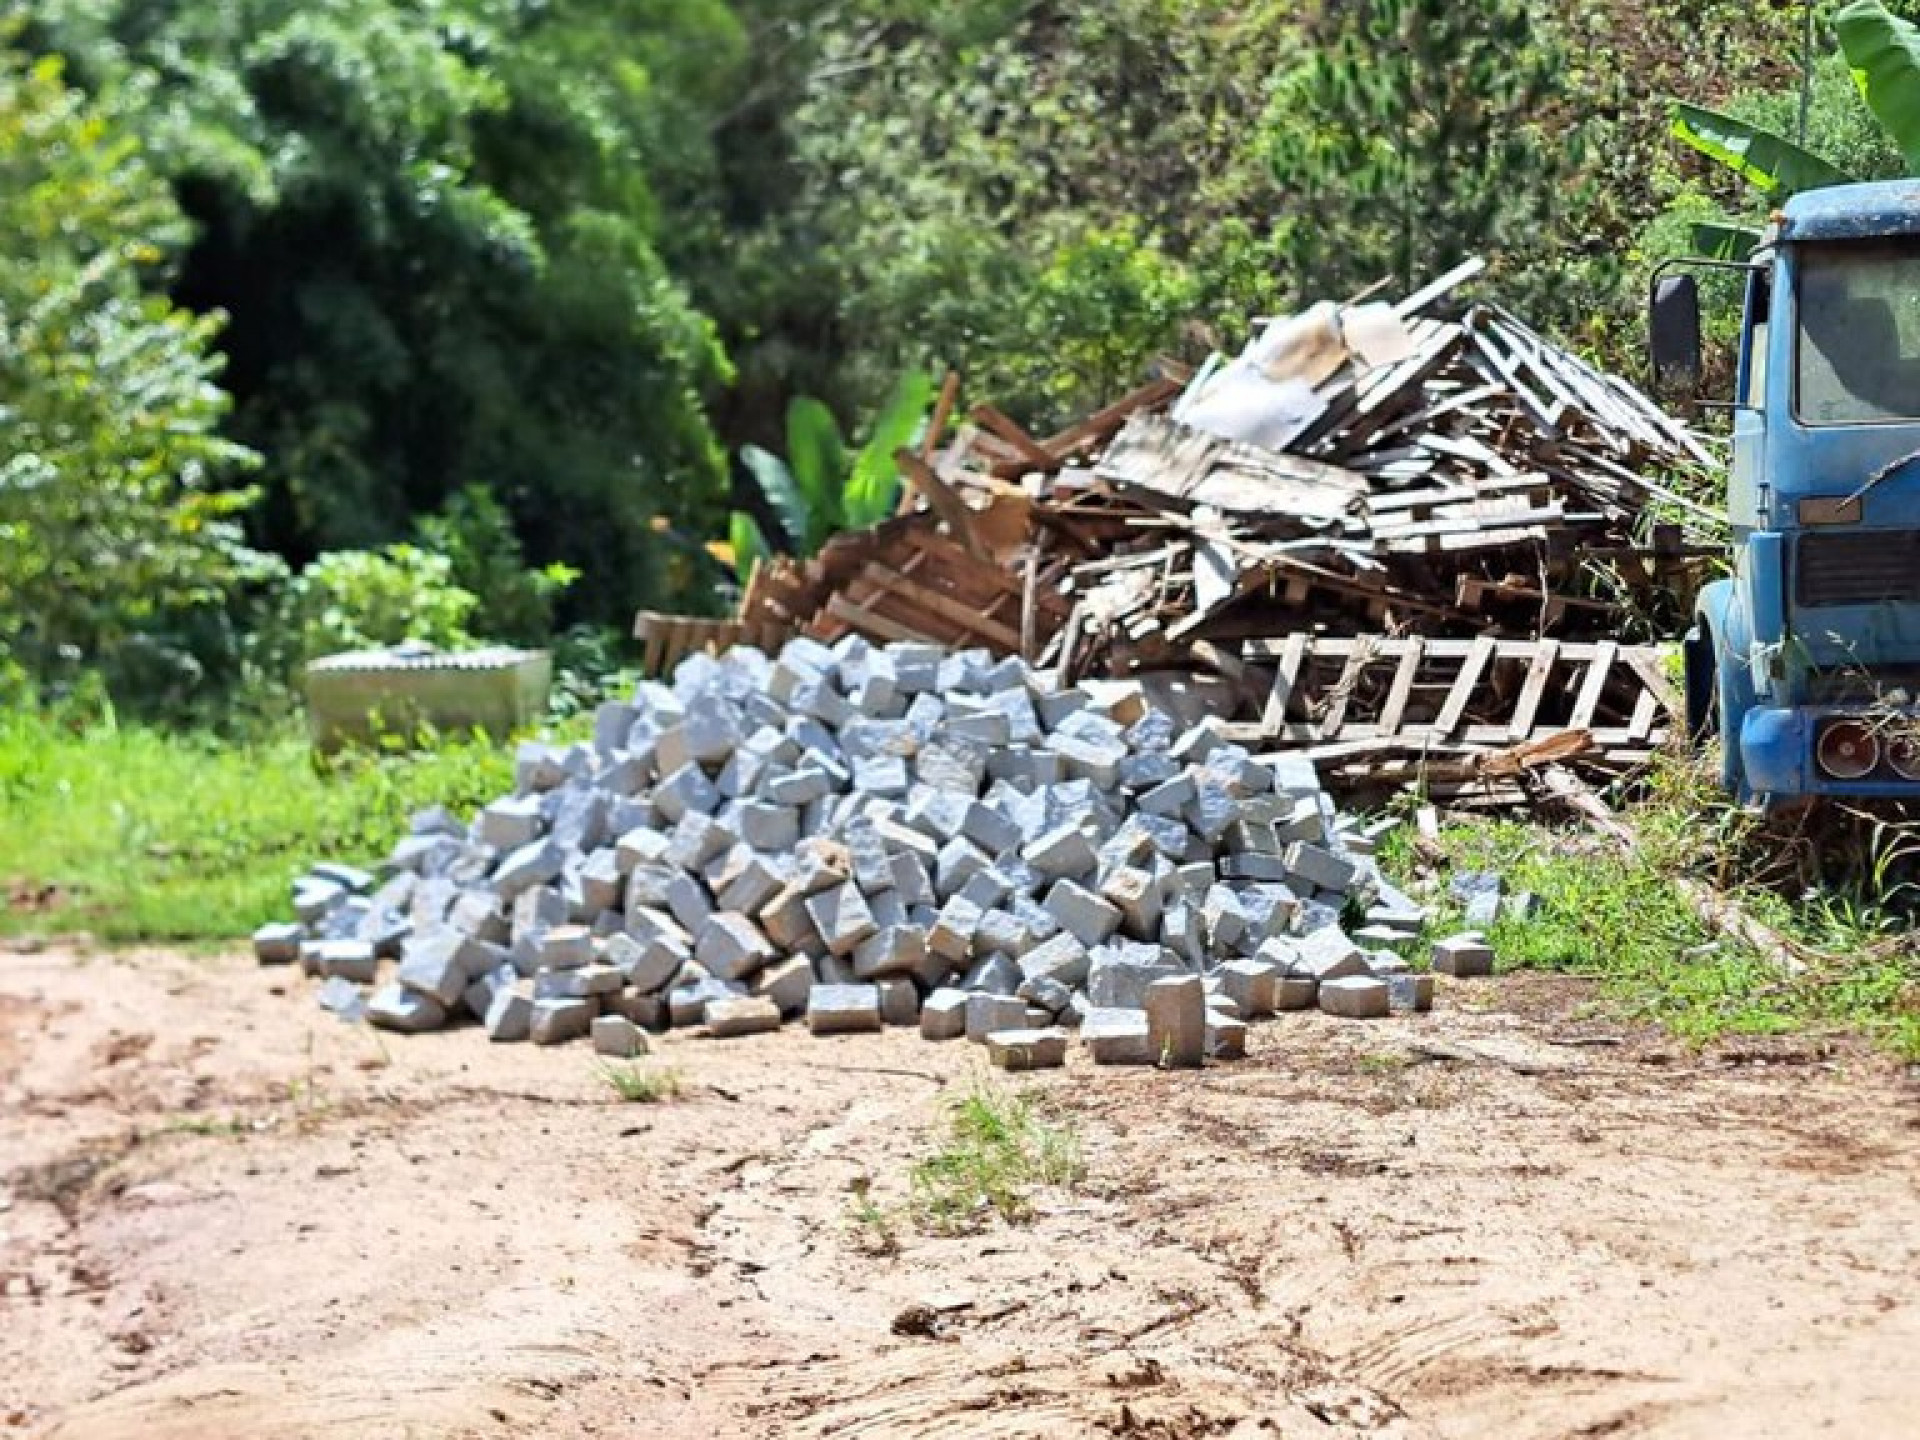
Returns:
<point x="1860" y="567"/>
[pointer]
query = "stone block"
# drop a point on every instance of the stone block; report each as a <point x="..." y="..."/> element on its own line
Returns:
<point x="737" y="1015"/>
<point x="1327" y="954"/>
<point x="1063" y="958"/>
<point x="617" y="1036"/>
<point x="1001" y="933"/>
<point x="994" y="974"/>
<point x="943" y="1015"/>
<point x="1463" y="956"/>
<point x="1355" y="997"/>
<point x="899" y="1001"/>
<point x="749" y="886"/>
<point x="566" y="947"/>
<point x="1043" y="1049"/>
<point x="1088" y="917"/>
<point x="959" y="861"/>
<point x="951" y="937"/>
<point x="685" y="791"/>
<point x="1137" y="895"/>
<point x="340" y="997"/>
<point x="843" y="1009"/>
<point x="842" y="917"/>
<point x="732" y="947"/>
<point x="897" y="950"/>
<point x="1118" y="979"/>
<point x="1177" y="1021"/>
<point x="355" y="961"/>
<point x="882" y="775"/>
<point x="987" y="1013"/>
<point x="510" y="1015"/>
<point x="532" y="864"/>
<point x="1250" y="985"/>
<point x="1321" y="869"/>
<point x="1295" y="992"/>
<point x="1046" y="993"/>
<point x="1413" y="993"/>
<point x="787" y="984"/>
<point x="278" y="944"/>
<point x="1063" y="852"/>
<point x="394" y="1007"/>
<point x="1117" y="1037"/>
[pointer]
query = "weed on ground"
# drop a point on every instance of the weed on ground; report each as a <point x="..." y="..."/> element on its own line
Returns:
<point x="997" y="1149"/>
<point x="1834" y="884"/>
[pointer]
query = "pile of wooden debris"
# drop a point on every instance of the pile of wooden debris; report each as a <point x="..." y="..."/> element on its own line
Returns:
<point x="1411" y="544"/>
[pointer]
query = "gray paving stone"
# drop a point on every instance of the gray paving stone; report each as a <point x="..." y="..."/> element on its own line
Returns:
<point x="394" y="1007"/>
<point x="943" y="1015"/>
<point x="843" y="1009"/>
<point x="1117" y="1037"/>
<point x="510" y="1015"/>
<point x="1177" y="1021"/>
<point x="987" y="1013"/>
<point x="1037" y="1049"/>
<point x="732" y="947"/>
<point x="738" y="1015"/>
<point x="617" y="1036"/>
<point x="1355" y="997"/>
<point x="1463" y="957"/>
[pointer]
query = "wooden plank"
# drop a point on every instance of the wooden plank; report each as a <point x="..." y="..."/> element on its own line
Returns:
<point x="1646" y="712"/>
<point x="1341" y="696"/>
<point x="893" y="582"/>
<point x="1439" y="289"/>
<point x="1274" y="718"/>
<point x="1595" y="685"/>
<point x="1395" y="709"/>
<point x="1534" y="691"/>
<point x="1463" y="686"/>
<point x="944" y="500"/>
<point x="1004" y="427"/>
<point x="860" y="618"/>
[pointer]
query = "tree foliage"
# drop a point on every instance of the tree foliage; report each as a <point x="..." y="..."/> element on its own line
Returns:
<point x="1413" y="131"/>
<point x="115" y="511"/>
<point x="434" y="228"/>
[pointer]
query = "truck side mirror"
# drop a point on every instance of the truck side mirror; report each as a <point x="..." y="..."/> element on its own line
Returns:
<point x="1673" y="334"/>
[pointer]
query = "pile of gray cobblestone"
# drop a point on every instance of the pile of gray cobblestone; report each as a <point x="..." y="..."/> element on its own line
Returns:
<point x="854" y="836"/>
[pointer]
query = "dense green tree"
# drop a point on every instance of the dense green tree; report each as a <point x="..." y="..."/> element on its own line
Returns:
<point x="1412" y="136"/>
<point x="115" y="512"/>
<point x="434" y="227"/>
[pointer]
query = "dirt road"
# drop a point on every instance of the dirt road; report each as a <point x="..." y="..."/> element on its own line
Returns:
<point x="222" y="1214"/>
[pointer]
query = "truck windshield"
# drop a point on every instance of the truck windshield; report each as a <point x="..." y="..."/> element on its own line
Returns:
<point x="1859" y="338"/>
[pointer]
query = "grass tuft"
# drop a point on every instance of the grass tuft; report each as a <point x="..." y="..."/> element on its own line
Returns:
<point x="1833" y="883"/>
<point x="637" y="1085"/>
<point x="997" y="1149"/>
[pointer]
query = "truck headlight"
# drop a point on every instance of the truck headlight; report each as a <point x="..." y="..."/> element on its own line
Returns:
<point x="1848" y="750"/>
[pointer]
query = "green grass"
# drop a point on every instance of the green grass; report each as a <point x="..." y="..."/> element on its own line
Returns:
<point x="1619" y="919"/>
<point x="636" y="1085"/>
<point x="998" y="1147"/>
<point x="153" y="835"/>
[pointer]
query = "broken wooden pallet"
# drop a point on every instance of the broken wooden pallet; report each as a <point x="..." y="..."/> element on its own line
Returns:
<point x="1385" y="698"/>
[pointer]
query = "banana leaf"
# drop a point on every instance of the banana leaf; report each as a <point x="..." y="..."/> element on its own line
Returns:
<point x="746" y="546"/>
<point x="874" y="487"/>
<point x="817" y="459"/>
<point x="1771" y="163"/>
<point x="1884" y="54"/>
<point x="783" y="494"/>
<point x="1724" y="241"/>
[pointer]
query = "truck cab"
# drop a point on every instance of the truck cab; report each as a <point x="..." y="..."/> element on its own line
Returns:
<point x="1806" y="661"/>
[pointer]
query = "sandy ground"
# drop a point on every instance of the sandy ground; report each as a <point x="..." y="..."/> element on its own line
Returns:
<point x="222" y="1214"/>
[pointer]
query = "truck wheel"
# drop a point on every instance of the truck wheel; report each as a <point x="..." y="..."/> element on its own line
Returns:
<point x="1703" y="684"/>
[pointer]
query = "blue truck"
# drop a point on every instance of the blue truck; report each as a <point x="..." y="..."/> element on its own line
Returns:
<point x="1806" y="661"/>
